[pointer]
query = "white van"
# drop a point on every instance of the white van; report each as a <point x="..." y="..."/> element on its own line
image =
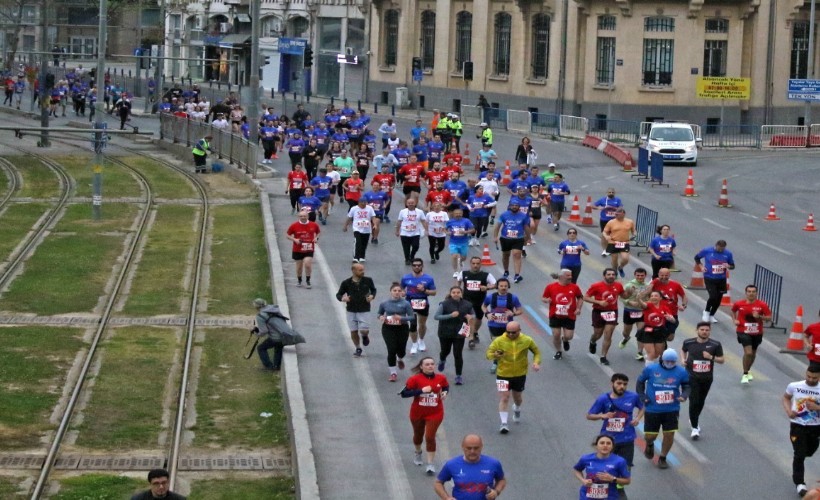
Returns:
<point x="676" y="142"/>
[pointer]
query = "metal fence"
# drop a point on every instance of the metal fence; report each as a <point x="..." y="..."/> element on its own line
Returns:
<point x="783" y="136"/>
<point x="546" y="124"/>
<point x="231" y="147"/>
<point x="618" y="131"/>
<point x="731" y="136"/>
<point x="646" y="224"/>
<point x="769" y="285"/>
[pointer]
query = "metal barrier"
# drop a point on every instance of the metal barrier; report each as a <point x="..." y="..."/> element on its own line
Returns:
<point x="573" y="126"/>
<point x="519" y="121"/>
<point x="656" y="171"/>
<point x="643" y="163"/>
<point x="783" y="136"/>
<point x="769" y="285"/>
<point x="496" y="118"/>
<point x="546" y="124"/>
<point x="233" y="147"/>
<point x="471" y="115"/>
<point x="620" y="131"/>
<point x="814" y="135"/>
<point x="732" y="136"/>
<point x="646" y="225"/>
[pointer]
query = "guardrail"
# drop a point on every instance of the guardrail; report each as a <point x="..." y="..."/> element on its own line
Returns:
<point x="232" y="147"/>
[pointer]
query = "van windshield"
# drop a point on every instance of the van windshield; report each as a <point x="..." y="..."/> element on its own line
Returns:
<point x="671" y="134"/>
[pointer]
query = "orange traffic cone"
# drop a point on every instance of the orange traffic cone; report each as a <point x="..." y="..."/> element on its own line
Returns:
<point x="795" y="343"/>
<point x="696" y="282"/>
<point x="486" y="260"/>
<point x="466" y="161"/>
<point x="575" y="213"/>
<point x="690" y="186"/>
<point x="507" y="178"/>
<point x="587" y="220"/>
<point x="726" y="300"/>
<point x="723" y="201"/>
<point x="810" y="224"/>
<point x="772" y="214"/>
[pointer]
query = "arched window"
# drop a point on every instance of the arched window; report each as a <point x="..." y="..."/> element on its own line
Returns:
<point x="540" y="57"/>
<point x="391" y="37"/>
<point x="271" y="27"/>
<point x="428" y="39"/>
<point x="503" y="36"/>
<point x="464" y="36"/>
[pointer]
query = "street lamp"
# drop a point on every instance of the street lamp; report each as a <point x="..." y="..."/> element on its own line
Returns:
<point x="810" y="75"/>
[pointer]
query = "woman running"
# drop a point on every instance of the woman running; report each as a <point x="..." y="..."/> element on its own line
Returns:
<point x="453" y="315"/>
<point x="662" y="249"/>
<point x="428" y="390"/>
<point x="656" y="314"/>
<point x="395" y="315"/>
<point x="601" y="472"/>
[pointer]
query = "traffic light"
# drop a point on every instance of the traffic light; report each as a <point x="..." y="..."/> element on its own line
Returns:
<point x="417" y="63"/>
<point x="265" y="61"/>
<point x="468" y="70"/>
<point x="308" y="56"/>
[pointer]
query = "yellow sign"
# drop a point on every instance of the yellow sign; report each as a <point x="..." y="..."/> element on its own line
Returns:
<point x="722" y="87"/>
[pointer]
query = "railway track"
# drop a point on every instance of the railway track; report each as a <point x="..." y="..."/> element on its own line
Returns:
<point x="14" y="181"/>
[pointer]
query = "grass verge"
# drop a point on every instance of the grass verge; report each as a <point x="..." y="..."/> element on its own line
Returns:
<point x="33" y="366"/>
<point x="117" y="182"/>
<point x="9" y="488"/>
<point x="157" y="287"/>
<point x="99" y="487"/>
<point x="272" y="488"/>
<point x="78" y="256"/>
<point x="165" y="182"/>
<point x="39" y="181"/>
<point x="231" y="395"/>
<point x="15" y="223"/>
<point x="124" y="411"/>
<point x="239" y="261"/>
<point x="4" y="182"/>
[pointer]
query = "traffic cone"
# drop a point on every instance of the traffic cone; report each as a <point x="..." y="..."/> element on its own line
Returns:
<point x="466" y="161"/>
<point x="795" y="343"/>
<point x="723" y="201"/>
<point x="726" y="300"/>
<point x="690" y="186"/>
<point x="486" y="260"/>
<point x="507" y="178"/>
<point x="772" y="214"/>
<point x="696" y="282"/>
<point x="587" y="220"/>
<point x="575" y="213"/>
<point x="810" y="224"/>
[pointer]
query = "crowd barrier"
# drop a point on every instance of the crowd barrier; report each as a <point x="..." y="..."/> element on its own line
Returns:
<point x="646" y="224"/>
<point x="769" y="285"/>
<point x="231" y="147"/>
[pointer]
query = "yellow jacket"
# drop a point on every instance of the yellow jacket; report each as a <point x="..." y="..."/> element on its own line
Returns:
<point x="515" y="360"/>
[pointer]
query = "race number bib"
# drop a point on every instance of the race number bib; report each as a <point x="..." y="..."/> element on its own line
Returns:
<point x="295" y="149"/>
<point x="536" y="204"/>
<point x="615" y="424"/>
<point x="392" y="320"/>
<point x="597" y="490"/>
<point x="562" y="309"/>
<point x="429" y="399"/>
<point x="609" y="315"/>
<point x="502" y="385"/>
<point x="418" y="304"/>
<point x="701" y="366"/>
<point x="458" y="231"/>
<point x="478" y="205"/>
<point x="817" y="349"/>
<point x="636" y="314"/>
<point x="412" y="178"/>
<point x="497" y="317"/>
<point x="473" y="285"/>
<point x="512" y="233"/>
<point x="297" y="184"/>
<point x="363" y="224"/>
<point x="620" y="244"/>
<point x="751" y="328"/>
<point x="439" y="231"/>
<point x="664" y="397"/>
<point x="307" y="246"/>
<point x="409" y="228"/>
<point x="464" y="331"/>
<point x="717" y="268"/>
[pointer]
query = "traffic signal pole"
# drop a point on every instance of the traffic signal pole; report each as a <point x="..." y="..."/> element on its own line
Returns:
<point x="253" y="106"/>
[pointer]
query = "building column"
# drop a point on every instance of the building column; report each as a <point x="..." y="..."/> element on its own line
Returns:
<point x="482" y="41"/>
<point x="343" y="67"/>
<point x="445" y="19"/>
<point x="519" y="56"/>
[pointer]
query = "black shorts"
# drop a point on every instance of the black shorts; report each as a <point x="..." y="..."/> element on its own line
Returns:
<point x="629" y="320"/>
<point x="496" y="331"/>
<point x="745" y="339"/>
<point x="410" y="189"/>
<point x="599" y="322"/>
<point x="301" y="255"/>
<point x="653" y="336"/>
<point x="334" y="189"/>
<point x="625" y="451"/>
<point x="479" y="312"/>
<point x="312" y="216"/>
<point x="562" y="322"/>
<point x="653" y="422"/>
<point x="508" y="244"/>
<point x="610" y="248"/>
<point x="535" y="213"/>
<point x="672" y="326"/>
<point x="516" y="383"/>
<point x="556" y="206"/>
<point x="603" y="224"/>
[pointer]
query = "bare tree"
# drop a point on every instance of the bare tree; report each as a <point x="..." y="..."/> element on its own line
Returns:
<point x="11" y="13"/>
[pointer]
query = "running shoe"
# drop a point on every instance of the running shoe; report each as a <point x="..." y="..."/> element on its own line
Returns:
<point x="459" y="380"/>
<point x="523" y="253"/>
<point x="713" y="319"/>
<point x="422" y="347"/>
<point x="649" y="452"/>
<point x="518" y="278"/>
<point x="375" y="241"/>
<point x="492" y="220"/>
<point x="593" y="347"/>
<point x="604" y="361"/>
<point x="484" y="235"/>
<point x="431" y="469"/>
<point x="441" y="366"/>
<point x="366" y="340"/>
<point x="471" y="344"/>
<point x="299" y="283"/>
<point x="407" y="262"/>
<point x="639" y="357"/>
<point x="555" y="227"/>
<point x="308" y="285"/>
<point x="751" y="377"/>
<point x="623" y="342"/>
<point x="400" y="364"/>
<point x="621" y="272"/>
<point x="504" y="429"/>
<point x="358" y="352"/>
<point x="705" y="316"/>
<point x="662" y="464"/>
<point x="506" y="274"/>
<point x="516" y="413"/>
<point x="417" y="458"/>
<point x="566" y="344"/>
<point x="362" y="260"/>
<point x="323" y="221"/>
<point x="549" y="219"/>
<point x="355" y="260"/>
<point x="802" y="490"/>
<point x="387" y="219"/>
<point x="455" y="275"/>
<point x="557" y="355"/>
<point x="414" y="348"/>
<point x="695" y="433"/>
<point x="744" y="379"/>
<point x="433" y="260"/>
<point x="393" y="377"/>
<point x="604" y="254"/>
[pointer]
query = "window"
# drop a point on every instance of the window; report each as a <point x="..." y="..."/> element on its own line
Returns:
<point x="428" y="39"/>
<point x="464" y="35"/>
<point x="355" y="36"/>
<point x="271" y="26"/>
<point x="391" y="37"/>
<point x="298" y="27"/>
<point x="606" y="23"/>
<point x="605" y="61"/>
<point x="657" y="61"/>
<point x="503" y="33"/>
<point x="664" y="24"/>
<point x="800" y="50"/>
<point x="540" y="46"/>
<point x="714" y="57"/>
<point x="330" y="34"/>
<point x="717" y="26"/>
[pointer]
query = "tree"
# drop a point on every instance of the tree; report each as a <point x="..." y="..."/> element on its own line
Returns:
<point x="11" y="13"/>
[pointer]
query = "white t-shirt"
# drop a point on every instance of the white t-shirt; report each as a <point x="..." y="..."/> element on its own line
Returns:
<point x="335" y="177"/>
<point x="221" y="124"/>
<point x="801" y="393"/>
<point x="362" y="218"/>
<point x="393" y="143"/>
<point x="411" y="222"/>
<point x="490" y="186"/>
<point x="436" y="223"/>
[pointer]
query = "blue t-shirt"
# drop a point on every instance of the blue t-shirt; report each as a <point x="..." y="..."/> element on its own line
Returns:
<point x="513" y="224"/>
<point x="457" y="229"/>
<point x="497" y="316"/>
<point x="558" y="187"/>
<point x="402" y="156"/>
<point x="571" y="252"/>
<point x="377" y="200"/>
<point x="456" y="188"/>
<point x="663" y="247"/>
<point x="415" y="132"/>
<point x="420" y="150"/>
<point x="321" y="186"/>
<point x="619" y="426"/>
<point x="514" y="185"/>
<point x="608" y="207"/>
<point x="339" y="136"/>
<point x="434" y="150"/>
<point x="525" y="203"/>
<point x="663" y="387"/>
<point x="478" y="205"/>
<point x="321" y="135"/>
<point x="410" y="284"/>
<point x="591" y="465"/>
<point x="268" y="133"/>
<point x="471" y="480"/>
<point x="536" y="181"/>
<point x="312" y="202"/>
<point x="715" y="263"/>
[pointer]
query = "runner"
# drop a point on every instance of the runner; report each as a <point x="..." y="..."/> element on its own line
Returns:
<point x="635" y="290"/>
<point x="437" y="193"/>
<point x="571" y="250"/>
<point x="663" y="387"/>
<point x="662" y="249"/>
<point x="500" y="308"/>
<point x="480" y="205"/>
<point x="310" y="203"/>
<point x="418" y="287"/>
<point x="537" y="198"/>
<point x="699" y="356"/>
<point x="475" y="476"/>
<point x="603" y="296"/>
<point x="395" y="315"/>
<point x="510" y="350"/>
<point x="297" y="180"/>
<point x="716" y="260"/>
<point x="357" y="292"/>
<point x="617" y="233"/>
<point x="812" y="342"/>
<point x="656" y="317"/>
<point x="513" y="228"/>
<point x="475" y="283"/>
<point x="321" y="186"/>
<point x="304" y="234"/>
<point x="453" y="315"/>
<point x="749" y="314"/>
<point x="428" y="390"/>
<point x="558" y="189"/>
<point x="352" y="188"/>
<point x="602" y="472"/>
<point x="410" y="225"/>
<point x="607" y="206"/>
<point x="459" y="229"/>
<point x="363" y="219"/>
<point x="437" y="231"/>
<point x="802" y="405"/>
<point x="412" y="174"/>
<point x="565" y="300"/>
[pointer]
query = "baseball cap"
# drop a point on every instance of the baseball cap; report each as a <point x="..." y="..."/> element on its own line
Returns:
<point x="670" y="355"/>
<point x="483" y="124"/>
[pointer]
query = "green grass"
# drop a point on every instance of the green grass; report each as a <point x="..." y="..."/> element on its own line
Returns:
<point x="77" y="257"/>
<point x="39" y="181"/>
<point x="99" y="487"/>
<point x="15" y="223"/>
<point x="33" y="365"/>
<point x="232" y="393"/>
<point x="274" y="488"/>
<point x="9" y="488"/>
<point x="165" y="183"/>
<point x="4" y="182"/>
<point x="239" y="260"/>
<point x="158" y="285"/>
<point x="117" y="182"/>
<point x="125" y="408"/>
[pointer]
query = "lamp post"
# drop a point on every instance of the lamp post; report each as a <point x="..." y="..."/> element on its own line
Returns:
<point x="810" y="72"/>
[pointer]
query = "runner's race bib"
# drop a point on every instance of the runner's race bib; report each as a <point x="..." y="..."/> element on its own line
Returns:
<point x="473" y="285"/>
<point x="597" y="490"/>
<point x="497" y="317"/>
<point x="717" y="268"/>
<point x="410" y="228"/>
<point x="636" y="314"/>
<point x="664" y="397"/>
<point x="429" y="399"/>
<point x="412" y="178"/>
<point x="562" y="309"/>
<point x="458" y="231"/>
<point x="701" y="366"/>
<point x="418" y="304"/>
<point x="392" y="320"/>
<point x="363" y="224"/>
<point x="751" y="328"/>
<point x="464" y="331"/>
<point x="609" y="315"/>
<point x="297" y="184"/>
<point x="502" y="385"/>
<point x="620" y="244"/>
<point x="615" y="424"/>
<point x="512" y="233"/>
<point x="307" y="246"/>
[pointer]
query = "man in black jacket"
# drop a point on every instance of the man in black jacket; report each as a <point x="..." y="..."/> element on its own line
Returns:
<point x="357" y="292"/>
<point x="158" y="478"/>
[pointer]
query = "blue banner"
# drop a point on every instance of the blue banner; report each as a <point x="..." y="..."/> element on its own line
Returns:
<point x="292" y="46"/>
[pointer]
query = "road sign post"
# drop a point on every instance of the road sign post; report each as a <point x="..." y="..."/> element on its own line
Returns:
<point x="418" y="76"/>
<point x="723" y="87"/>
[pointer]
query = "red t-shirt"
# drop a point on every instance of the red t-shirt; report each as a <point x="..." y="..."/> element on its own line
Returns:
<point x="306" y="234"/>
<point x="412" y="172"/>
<point x="442" y="196"/>
<point x="457" y="158"/>
<point x="353" y="189"/>
<point x="813" y="333"/>
<point x="434" y="176"/>
<point x="744" y="312"/>
<point x="427" y="406"/>
<point x="655" y="316"/>
<point x="563" y="299"/>
<point x="386" y="180"/>
<point x="297" y="179"/>
<point x="671" y="292"/>
<point x="452" y="168"/>
<point x="606" y="291"/>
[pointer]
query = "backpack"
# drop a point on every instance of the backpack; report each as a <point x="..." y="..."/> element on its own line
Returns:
<point x="278" y="328"/>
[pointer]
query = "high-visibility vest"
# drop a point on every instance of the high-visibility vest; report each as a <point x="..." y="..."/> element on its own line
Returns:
<point x="201" y="147"/>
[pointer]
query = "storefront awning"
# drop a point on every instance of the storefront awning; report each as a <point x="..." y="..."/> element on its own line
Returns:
<point x="233" y="40"/>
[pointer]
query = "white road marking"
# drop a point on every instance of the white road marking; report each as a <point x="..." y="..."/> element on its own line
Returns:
<point x="775" y="248"/>
<point x="749" y="215"/>
<point x="686" y="204"/>
<point x="710" y="221"/>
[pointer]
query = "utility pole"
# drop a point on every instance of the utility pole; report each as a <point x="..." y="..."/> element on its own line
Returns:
<point x="41" y="83"/>
<point x="253" y="106"/>
<point x="159" y="70"/>
<point x="810" y="72"/>
<point x="99" y="112"/>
